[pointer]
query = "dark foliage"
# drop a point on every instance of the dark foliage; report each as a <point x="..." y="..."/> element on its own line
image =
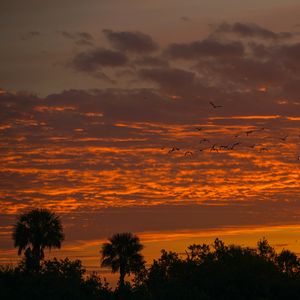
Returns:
<point x="204" y="272"/>
<point x="223" y="272"/>
<point x="57" y="279"/>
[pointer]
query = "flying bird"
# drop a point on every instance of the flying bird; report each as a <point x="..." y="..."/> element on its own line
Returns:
<point x="234" y="145"/>
<point x="224" y="146"/>
<point x="249" y="132"/>
<point x="284" y="138"/>
<point x="203" y="140"/>
<point x="214" y="105"/>
<point x="252" y="146"/>
<point x="201" y="150"/>
<point x="213" y="148"/>
<point x="188" y="153"/>
<point x="173" y="149"/>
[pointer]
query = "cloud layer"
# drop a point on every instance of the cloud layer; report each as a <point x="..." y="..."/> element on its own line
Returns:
<point x="195" y="135"/>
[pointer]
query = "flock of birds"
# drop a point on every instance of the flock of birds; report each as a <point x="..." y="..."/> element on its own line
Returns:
<point x="208" y="145"/>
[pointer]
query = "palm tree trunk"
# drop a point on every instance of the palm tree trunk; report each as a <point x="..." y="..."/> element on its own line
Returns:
<point x="122" y="277"/>
<point x="36" y="251"/>
<point x="121" y="290"/>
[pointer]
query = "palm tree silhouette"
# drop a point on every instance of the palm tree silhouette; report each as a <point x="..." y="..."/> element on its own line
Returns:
<point x="35" y="231"/>
<point x="122" y="253"/>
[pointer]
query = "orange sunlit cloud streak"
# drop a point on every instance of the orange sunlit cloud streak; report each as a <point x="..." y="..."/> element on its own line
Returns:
<point x="190" y="139"/>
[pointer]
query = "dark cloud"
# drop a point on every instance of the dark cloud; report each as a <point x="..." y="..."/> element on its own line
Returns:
<point x="284" y="55"/>
<point x="192" y="217"/>
<point x="259" y="50"/>
<point x="247" y="71"/>
<point x="168" y="78"/>
<point x="291" y="51"/>
<point x="291" y="90"/>
<point x="95" y="59"/>
<point x="80" y="38"/>
<point x="115" y="104"/>
<point x="226" y="62"/>
<point x="130" y="41"/>
<point x="29" y="35"/>
<point x="210" y="215"/>
<point x="151" y="61"/>
<point x="251" y="30"/>
<point x="205" y="48"/>
<point x="185" y="19"/>
<point x="14" y="106"/>
<point x="289" y="55"/>
<point x="180" y="84"/>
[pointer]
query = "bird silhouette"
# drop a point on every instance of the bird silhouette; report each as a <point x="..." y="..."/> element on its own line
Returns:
<point x="203" y="140"/>
<point x="224" y="146"/>
<point x="252" y="146"/>
<point x="213" y="148"/>
<point x="173" y="149"/>
<point x="188" y="153"/>
<point x="284" y="138"/>
<point x="234" y="145"/>
<point x="214" y="105"/>
<point x="249" y="132"/>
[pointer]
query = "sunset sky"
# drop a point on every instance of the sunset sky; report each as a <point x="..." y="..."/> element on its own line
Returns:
<point x="176" y="120"/>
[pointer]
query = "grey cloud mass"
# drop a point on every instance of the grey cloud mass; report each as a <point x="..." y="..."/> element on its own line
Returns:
<point x="129" y="41"/>
<point x="94" y="59"/>
<point x="29" y="35"/>
<point x="168" y="78"/>
<point x="205" y="48"/>
<point x="80" y="38"/>
<point x="151" y="61"/>
<point x="215" y="61"/>
<point x="251" y="30"/>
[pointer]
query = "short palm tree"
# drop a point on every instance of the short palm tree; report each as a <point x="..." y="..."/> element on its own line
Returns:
<point x="122" y="253"/>
<point x="35" y="231"/>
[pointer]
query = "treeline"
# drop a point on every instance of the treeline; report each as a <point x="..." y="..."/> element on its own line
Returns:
<point x="55" y="280"/>
<point x="204" y="272"/>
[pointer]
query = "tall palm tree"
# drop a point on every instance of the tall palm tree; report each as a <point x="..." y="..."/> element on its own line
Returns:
<point x="122" y="253"/>
<point x="35" y="231"/>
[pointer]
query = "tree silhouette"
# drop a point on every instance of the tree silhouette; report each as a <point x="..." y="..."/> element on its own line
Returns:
<point x="122" y="253"/>
<point x="265" y="250"/>
<point x="288" y="262"/>
<point x="35" y="231"/>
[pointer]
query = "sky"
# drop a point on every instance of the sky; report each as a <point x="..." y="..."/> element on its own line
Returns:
<point x="175" y="120"/>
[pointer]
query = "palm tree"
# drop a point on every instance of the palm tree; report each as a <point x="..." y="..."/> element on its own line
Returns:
<point x="122" y="253"/>
<point x="35" y="231"/>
